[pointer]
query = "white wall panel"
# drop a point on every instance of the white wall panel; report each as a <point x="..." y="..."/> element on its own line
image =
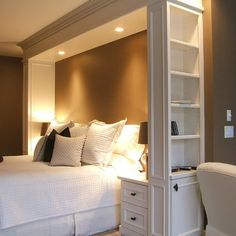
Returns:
<point x="41" y="98"/>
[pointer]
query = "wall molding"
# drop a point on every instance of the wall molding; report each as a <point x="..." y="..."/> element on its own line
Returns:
<point x="75" y="15"/>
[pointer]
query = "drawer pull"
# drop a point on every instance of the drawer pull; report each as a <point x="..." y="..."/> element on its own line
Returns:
<point x="133" y="194"/>
<point x="133" y="218"/>
<point x="176" y="187"/>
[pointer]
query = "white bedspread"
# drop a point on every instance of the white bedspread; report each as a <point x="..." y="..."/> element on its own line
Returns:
<point x="32" y="191"/>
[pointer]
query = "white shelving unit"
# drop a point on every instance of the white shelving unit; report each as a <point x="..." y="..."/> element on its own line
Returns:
<point x="176" y="93"/>
<point x="185" y="78"/>
<point x="186" y="108"/>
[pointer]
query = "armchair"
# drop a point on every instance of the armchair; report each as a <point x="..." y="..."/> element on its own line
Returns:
<point x="218" y="188"/>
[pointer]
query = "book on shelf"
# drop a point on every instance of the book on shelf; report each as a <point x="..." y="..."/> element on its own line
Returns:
<point x="174" y="128"/>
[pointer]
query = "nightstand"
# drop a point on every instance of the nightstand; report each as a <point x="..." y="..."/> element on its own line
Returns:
<point x="134" y="207"/>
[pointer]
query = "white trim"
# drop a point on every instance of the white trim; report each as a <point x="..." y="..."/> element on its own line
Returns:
<point x="88" y="16"/>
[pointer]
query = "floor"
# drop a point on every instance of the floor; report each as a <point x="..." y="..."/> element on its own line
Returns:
<point x="113" y="233"/>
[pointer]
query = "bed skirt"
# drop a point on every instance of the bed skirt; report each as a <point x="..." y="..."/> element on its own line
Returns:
<point x="79" y="224"/>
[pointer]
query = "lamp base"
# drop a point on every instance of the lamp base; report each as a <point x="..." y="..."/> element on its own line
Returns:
<point x="144" y="162"/>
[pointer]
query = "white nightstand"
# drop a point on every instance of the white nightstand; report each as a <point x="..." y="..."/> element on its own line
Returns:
<point x="134" y="207"/>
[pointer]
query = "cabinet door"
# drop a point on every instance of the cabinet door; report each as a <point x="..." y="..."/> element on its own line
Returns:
<point x="186" y="207"/>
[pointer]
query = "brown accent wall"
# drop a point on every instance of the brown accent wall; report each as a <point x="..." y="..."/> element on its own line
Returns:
<point x="107" y="83"/>
<point x="11" y="87"/>
<point x="220" y="78"/>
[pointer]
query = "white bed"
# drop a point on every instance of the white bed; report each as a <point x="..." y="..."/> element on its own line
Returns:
<point x="37" y="199"/>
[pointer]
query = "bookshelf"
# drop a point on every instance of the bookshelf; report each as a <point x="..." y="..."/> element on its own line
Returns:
<point x="186" y="90"/>
<point x="186" y="108"/>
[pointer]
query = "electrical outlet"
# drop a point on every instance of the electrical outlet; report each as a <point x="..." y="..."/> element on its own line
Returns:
<point x="229" y="132"/>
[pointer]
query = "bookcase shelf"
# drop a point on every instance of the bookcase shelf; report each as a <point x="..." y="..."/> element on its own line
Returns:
<point x="179" y="105"/>
<point x="183" y="45"/>
<point x="182" y="137"/>
<point x="181" y="75"/>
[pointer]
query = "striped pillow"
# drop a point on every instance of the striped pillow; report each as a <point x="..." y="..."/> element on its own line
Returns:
<point x="100" y="142"/>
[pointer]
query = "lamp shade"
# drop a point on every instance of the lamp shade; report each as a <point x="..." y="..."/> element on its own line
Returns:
<point x="143" y="133"/>
<point x="44" y="128"/>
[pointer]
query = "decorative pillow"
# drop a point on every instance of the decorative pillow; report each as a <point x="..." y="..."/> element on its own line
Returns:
<point x="59" y="127"/>
<point x="127" y="144"/>
<point x="67" y="151"/>
<point x="39" y="149"/>
<point x="50" y="143"/>
<point x="100" y="141"/>
<point x="78" y="130"/>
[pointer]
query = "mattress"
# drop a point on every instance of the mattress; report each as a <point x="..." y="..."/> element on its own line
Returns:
<point x="33" y="191"/>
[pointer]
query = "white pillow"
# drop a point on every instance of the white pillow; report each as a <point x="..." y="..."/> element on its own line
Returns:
<point x="39" y="149"/>
<point x="100" y="141"/>
<point x="127" y="144"/>
<point x="67" y="151"/>
<point x="78" y="130"/>
<point x="124" y="166"/>
<point x="59" y="127"/>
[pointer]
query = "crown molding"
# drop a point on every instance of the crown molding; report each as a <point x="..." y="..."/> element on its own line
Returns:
<point x="70" y="18"/>
<point x="88" y="16"/>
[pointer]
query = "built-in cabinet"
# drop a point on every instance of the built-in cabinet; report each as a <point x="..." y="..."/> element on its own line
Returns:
<point x="186" y="208"/>
<point x="175" y="89"/>
<point x="176" y="118"/>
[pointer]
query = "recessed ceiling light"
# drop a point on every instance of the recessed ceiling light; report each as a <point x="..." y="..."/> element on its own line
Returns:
<point x="119" y="29"/>
<point x="61" y="53"/>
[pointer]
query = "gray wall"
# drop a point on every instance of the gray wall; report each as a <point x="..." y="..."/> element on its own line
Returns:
<point x="220" y="80"/>
<point x="11" y="87"/>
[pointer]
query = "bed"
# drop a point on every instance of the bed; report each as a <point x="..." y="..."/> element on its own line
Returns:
<point x="58" y="196"/>
<point x="37" y="199"/>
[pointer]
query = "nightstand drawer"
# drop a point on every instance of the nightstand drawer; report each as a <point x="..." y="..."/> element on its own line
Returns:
<point x="134" y="193"/>
<point x="134" y="218"/>
<point x="126" y="232"/>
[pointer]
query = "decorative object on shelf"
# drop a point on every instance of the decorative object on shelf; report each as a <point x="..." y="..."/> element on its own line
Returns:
<point x="143" y="139"/>
<point x="185" y="168"/>
<point x="44" y="128"/>
<point x="174" y="128"/>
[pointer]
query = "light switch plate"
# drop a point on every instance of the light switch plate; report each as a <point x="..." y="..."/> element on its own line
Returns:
<point x="228" y="115"/>
<point x="229" y="131"/>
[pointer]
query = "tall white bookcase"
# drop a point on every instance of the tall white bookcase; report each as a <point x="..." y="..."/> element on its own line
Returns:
<point x="186" y="108"/>
<point x="186" y="85"/>
<point x="177" y="94"/>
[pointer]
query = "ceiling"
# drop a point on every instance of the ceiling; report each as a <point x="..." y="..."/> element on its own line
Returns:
<point x="19" y="19"/>
<point x="132" y="23"/>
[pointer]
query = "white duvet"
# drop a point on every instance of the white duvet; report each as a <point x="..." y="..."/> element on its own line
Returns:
<point x="31" y="191"/>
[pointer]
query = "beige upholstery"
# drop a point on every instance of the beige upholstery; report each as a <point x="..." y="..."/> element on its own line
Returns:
<point x="218" y="188"/>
